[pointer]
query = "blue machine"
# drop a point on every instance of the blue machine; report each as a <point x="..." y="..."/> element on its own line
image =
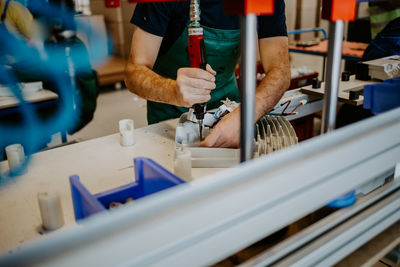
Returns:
<point x="57" y="66"/>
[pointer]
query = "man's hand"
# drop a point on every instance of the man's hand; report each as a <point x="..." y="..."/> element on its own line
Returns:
<point x="194" y="85"/>
<point x="226" y="133"/>
<point x="274" y="54"/>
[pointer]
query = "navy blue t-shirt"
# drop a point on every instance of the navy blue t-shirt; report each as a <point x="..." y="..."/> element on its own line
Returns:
<point x="169" y="19"/>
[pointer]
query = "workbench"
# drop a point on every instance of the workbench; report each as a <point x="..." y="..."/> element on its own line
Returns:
<point x="40" y="96"/>
<point x="101" y="163"/>
<point x="350" y="51"/>
<point x="285" y="186"/>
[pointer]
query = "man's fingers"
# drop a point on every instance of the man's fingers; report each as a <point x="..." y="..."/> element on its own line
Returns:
<point x="195" y="99"/>
<point x="198" y="74"/>
<point x="201" y="84"/>
<point x="226" y="145"/>
<point x="195" y="85"/>
<point x="210" y="70"/>
<point x="197" y="91"/>
<point x="189" y="83"/>
<point x="211" y="139"/>
<point x="201" y="99"/>
<point x="207" y="142"/>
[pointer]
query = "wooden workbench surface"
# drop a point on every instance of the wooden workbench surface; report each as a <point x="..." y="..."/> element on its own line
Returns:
<point x="101" y="163"/>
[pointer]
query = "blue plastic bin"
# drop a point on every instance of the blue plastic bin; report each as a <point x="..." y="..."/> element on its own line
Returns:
<point x="150" y="178"/>
<point x="382" y="97"/>
<point x="394" y="80"/>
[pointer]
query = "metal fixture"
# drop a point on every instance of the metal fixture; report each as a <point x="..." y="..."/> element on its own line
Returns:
<point x="333" y="75"/>
<point x="248" y="25"/>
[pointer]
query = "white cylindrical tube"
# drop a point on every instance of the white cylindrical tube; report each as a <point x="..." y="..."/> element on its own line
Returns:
<point x="51" y="210"/>
<point x="183" y="164"/>
<point x="126" y="129"/>
<point x="15" y="156"/>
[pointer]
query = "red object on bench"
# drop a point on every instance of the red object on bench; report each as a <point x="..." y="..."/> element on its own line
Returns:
<point x="351" y="49"/>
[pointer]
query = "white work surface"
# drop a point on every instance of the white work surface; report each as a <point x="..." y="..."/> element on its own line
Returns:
<point x="101" y="163"/>
<point x="35" y="97"/>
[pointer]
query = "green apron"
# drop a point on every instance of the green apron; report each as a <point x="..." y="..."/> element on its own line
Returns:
<point x="222" y="47"/>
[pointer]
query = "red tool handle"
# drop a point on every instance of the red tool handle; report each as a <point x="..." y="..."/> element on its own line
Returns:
<point x="113" y="3"/>
<point x="198" y="59"/>
<point x="196" y="50"/>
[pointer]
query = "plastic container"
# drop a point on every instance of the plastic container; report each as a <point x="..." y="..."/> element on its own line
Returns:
<point x="382" y="97"/>
<point x="127" y="132"/>
<point x="150" y="178"/>
<point x="394" y="80"/>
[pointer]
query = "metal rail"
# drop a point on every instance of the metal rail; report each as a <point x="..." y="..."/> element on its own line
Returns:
<point x="248" y="26"/>
<point x="340" y="242"/>
<point x="309" y="30"/>
<point x="333" y="73"/>
<point x="288" y="248"/>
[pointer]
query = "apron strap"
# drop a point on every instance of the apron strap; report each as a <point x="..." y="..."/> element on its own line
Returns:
<point x="3" y="16"/>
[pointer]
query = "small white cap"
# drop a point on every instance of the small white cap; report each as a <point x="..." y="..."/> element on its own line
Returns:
<point x="15" y="156"/>
<point x="126" y="130"/>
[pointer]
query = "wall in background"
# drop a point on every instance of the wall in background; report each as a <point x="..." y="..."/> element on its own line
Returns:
<point x="300" y="14"/>
<point x="117" y="24"/>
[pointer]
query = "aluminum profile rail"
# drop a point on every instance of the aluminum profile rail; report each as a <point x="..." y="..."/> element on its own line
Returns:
<point x="340" y="242"/>
<point x="336" y="232"/>
<point x="204" y="221"/>
<point x="336" y="30"/>
<point x="248" y="47"/>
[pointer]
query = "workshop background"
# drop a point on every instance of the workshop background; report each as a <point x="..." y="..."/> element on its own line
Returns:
<point x="115" y="102"/>
<point x="110" y="161"/>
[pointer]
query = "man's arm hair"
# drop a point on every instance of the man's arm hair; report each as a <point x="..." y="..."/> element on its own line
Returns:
<point x="139" y="76"/>
<point x="192" y="85"/>
<point x="274" y="54"/>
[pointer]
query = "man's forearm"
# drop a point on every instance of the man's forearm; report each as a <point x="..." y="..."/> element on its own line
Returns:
<point x="271" y="89"/>
<point x="144" y="82"/>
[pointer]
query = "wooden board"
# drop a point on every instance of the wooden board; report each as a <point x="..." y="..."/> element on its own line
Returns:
<point x="344" y="89"/>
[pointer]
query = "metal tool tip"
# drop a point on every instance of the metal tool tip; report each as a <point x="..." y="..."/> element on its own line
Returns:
<point x="201" y="130"/>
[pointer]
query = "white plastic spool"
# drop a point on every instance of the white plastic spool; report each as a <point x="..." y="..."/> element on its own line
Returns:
<point x="126" y="129"/>
<point x="183" y="164"/>
<point x="15" y="156"/>
<point x="50" y="210"/>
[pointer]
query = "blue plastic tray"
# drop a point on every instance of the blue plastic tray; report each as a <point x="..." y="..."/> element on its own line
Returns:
<point x="394" y="80"/>
<point x="150" y="178"/>
<point x="382" y="97"/>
